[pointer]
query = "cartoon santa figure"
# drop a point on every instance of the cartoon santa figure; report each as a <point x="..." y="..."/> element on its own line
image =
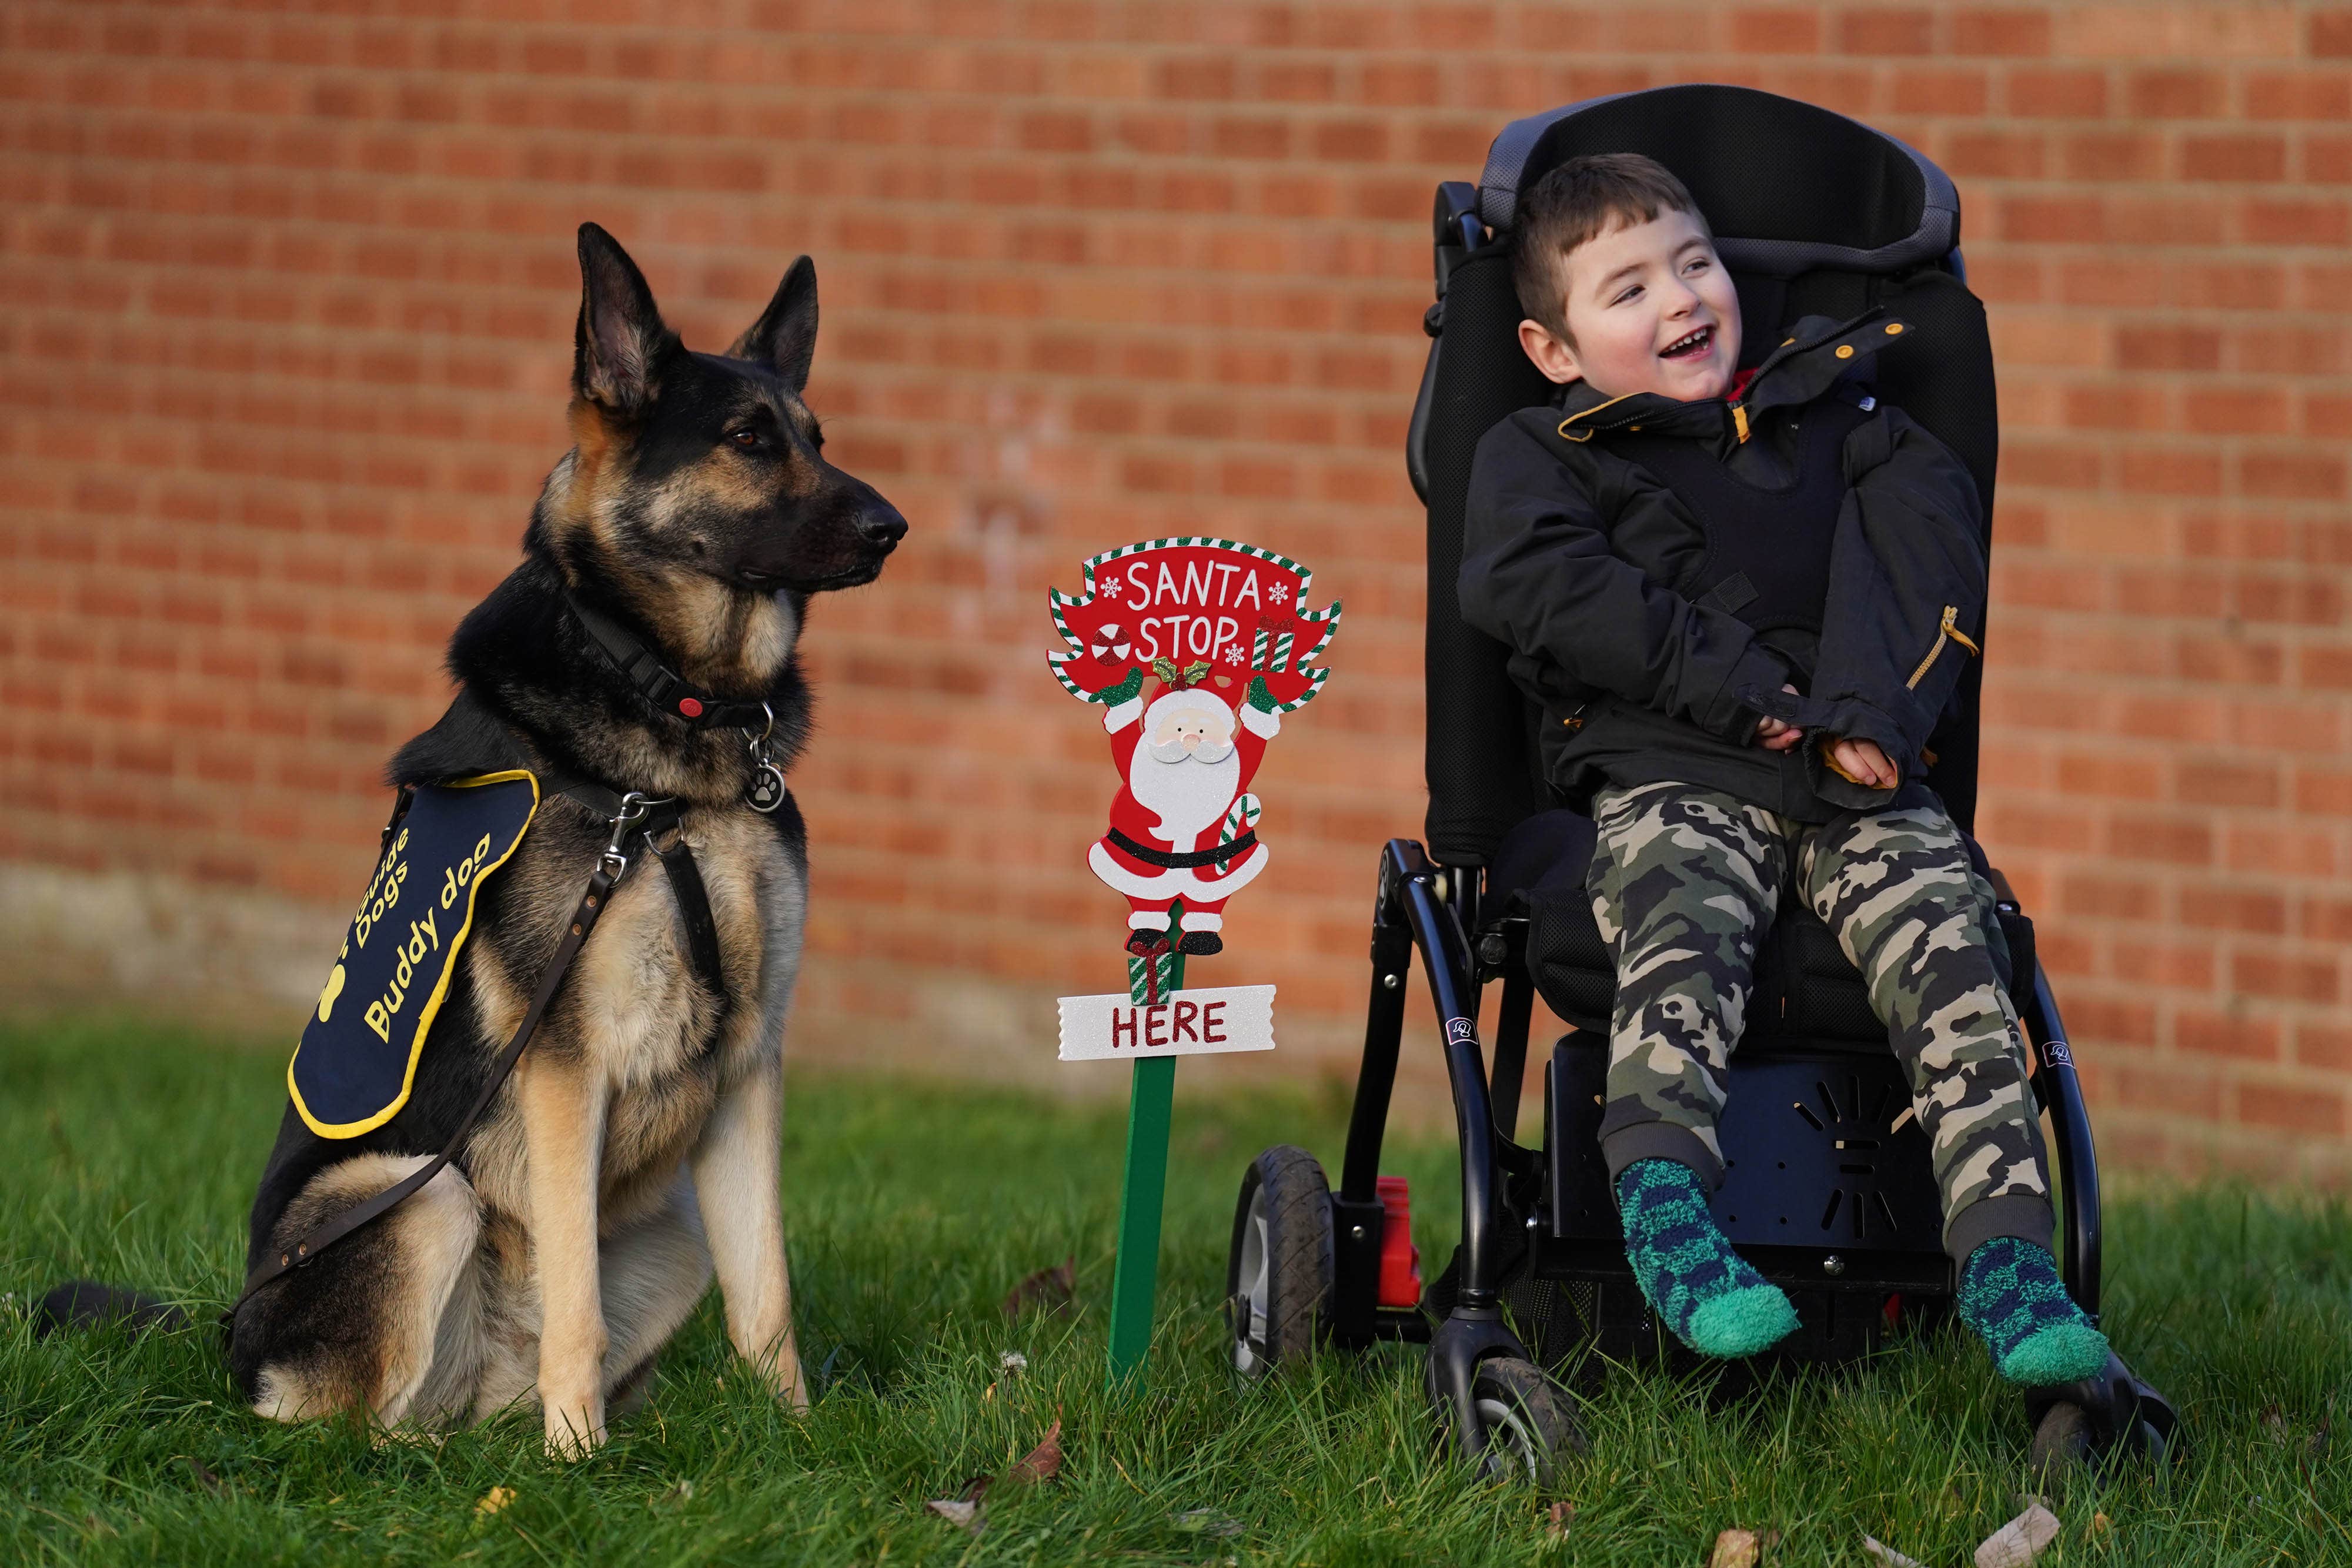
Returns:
<point x="1181" y="827"/>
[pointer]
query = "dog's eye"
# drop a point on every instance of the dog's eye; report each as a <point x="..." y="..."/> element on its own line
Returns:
<point x="746" y="440"/>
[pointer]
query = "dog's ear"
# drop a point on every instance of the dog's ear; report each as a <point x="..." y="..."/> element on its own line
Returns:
<point x="784" y="336"/>
<point x="621" y="341"/>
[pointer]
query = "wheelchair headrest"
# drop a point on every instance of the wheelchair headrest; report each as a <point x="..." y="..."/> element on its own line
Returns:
<point x="1787" y="186"/>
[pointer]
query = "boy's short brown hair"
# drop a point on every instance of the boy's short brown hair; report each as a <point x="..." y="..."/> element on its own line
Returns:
<point x="1576" y="204"/>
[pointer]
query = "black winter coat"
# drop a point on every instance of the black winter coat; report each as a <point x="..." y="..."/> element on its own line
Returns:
<point x="1586" y="566"/>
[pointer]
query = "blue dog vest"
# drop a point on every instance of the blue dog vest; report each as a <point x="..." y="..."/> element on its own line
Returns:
<point x="357" y="1060"/>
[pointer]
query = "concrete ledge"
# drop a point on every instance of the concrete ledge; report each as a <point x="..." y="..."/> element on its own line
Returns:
<point x="143" y="942"/>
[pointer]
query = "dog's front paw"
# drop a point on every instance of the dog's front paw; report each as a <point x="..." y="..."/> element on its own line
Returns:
<point x="575" y="1430"/>
<point x="785" y="1377"/>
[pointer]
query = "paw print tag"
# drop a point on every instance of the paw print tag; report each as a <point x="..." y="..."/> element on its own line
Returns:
<point x="767" y="791"/>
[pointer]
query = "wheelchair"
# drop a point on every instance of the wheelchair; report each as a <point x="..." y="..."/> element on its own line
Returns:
<point x="1828" y="1190"/>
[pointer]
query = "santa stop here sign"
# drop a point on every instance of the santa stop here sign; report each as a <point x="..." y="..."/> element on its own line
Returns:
<point x="1194" y="650"/>
<point x="1183" y="1023"/>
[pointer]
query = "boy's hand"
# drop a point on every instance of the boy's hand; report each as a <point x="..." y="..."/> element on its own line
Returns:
<point x="1778" y="734"/>
<point x="1860" y="762"/>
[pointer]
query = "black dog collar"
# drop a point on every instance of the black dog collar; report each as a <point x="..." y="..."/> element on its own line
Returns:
<point x="662" y="685"/>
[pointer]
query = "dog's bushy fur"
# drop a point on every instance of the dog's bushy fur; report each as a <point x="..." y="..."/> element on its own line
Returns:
<point x="634" y="1149"/>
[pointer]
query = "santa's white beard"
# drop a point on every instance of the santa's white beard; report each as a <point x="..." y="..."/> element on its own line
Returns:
<point x="1191" y="796"/>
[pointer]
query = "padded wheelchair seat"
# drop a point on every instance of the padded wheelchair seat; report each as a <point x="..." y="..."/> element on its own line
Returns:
<point x="1808" y="995"/>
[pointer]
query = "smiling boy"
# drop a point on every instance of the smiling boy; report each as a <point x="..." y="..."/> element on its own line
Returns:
<point x="1743" y="600"/>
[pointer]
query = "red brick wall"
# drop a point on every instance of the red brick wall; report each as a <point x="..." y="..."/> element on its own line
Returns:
<point x="285" y="300"/>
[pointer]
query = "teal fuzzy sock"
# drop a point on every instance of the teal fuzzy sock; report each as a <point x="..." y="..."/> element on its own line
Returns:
<point x="2010" y="1294"/>
<point x="1704" y="1291"/>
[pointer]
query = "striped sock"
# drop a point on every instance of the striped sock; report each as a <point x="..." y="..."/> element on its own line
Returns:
<point x="2011" y="1295"/>
<point x="1704" y="1291"/>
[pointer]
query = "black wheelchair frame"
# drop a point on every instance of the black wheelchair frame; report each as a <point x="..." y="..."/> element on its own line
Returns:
<point x="1511" y="1208"/>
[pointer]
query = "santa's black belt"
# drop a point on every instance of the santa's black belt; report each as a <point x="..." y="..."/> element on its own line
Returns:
<point x="1191" y="859"/>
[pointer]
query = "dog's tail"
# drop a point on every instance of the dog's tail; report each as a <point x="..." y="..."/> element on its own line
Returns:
<point x="86" y="1304"/>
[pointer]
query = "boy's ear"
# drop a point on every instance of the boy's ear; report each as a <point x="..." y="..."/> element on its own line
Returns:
<point x="1555" y="359"/>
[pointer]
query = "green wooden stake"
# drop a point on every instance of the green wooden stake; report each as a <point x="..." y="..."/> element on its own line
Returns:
<point x="1135" y="1278"/>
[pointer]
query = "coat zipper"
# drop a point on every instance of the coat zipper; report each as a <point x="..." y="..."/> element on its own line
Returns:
<point x="1947" y="631"/>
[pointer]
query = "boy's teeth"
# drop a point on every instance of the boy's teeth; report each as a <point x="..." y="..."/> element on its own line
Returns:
<point x="1679" y="344"/>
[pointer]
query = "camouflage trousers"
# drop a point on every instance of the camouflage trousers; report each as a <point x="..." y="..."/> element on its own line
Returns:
<point x="1685" y="881"/>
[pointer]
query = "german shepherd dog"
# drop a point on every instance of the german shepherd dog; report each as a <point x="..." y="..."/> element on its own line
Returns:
<point x="634" y="1152"/>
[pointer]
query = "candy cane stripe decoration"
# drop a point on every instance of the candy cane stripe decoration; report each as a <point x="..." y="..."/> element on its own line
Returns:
<point x="1242" y="819"/>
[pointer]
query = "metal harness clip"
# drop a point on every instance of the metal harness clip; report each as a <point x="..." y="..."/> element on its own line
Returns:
<point x="633" y="805"/>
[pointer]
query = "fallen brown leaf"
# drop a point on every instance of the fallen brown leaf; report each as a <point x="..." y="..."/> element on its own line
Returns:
<point x="1557" y="1519"/>
<point x="965" y="1509"/>
<point x="956" y="1511"/>
<point x="1051" y="1289"/>
<point x="1887" y="1555"/>
<point x="2017" y="1543"/>
<point x="1042" y="1463"/>
<point x="1736" y="1549"/>
<point x="2099" y="1525"/>
<point x="204" y="1478"/>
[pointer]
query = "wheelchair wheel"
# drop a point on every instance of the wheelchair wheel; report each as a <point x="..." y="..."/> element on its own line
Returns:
<point x="1527" y="1419"/>
<point x="1278" y="1276"/>
<point x="2062" y="1441"/>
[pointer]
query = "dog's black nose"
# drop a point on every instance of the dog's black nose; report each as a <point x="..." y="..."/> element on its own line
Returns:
<point x="881" y="524"/>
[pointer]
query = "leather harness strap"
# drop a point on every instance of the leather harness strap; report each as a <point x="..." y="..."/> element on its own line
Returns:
<point x="685" y="883"/>
<point x="632" y="819"/>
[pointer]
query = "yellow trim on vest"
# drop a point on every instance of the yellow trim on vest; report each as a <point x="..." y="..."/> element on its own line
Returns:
<point x="1740" y="421"/>
<point x="433" y="1003"/>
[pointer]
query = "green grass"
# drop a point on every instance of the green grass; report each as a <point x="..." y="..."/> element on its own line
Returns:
<point x="129" y="1152"/>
